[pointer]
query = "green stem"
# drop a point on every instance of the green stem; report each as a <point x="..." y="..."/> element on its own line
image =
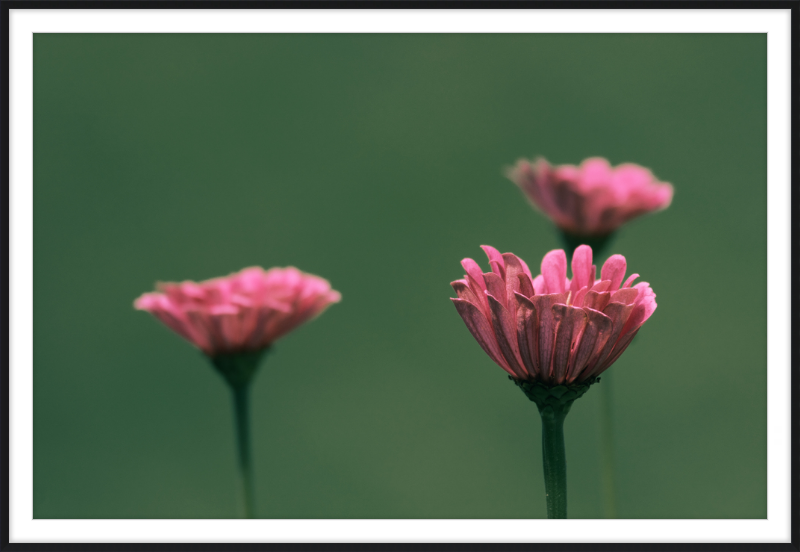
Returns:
<point x="555" y="462"/>
<point x="554" y="403"/>
<point x="607" y="446"/>
<point x="238" y="370"/>
<point x="241" y="406"/>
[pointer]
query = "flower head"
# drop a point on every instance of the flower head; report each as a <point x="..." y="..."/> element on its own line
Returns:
<point x="246" y="311"/>
<point x="551" y="329"/>
<point x="594" y="199"/>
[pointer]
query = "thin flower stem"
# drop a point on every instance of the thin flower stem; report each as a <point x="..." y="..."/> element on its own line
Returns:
<point x="241" y="407"/>
<point x="555" y="462"/>
<point x="607" y="445"/>
<point x="238" y="370"/>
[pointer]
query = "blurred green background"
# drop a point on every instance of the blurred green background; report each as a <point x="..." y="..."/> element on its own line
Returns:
<point x="376" y="161"/>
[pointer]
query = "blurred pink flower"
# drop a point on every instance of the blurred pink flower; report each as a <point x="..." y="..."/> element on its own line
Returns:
<point x="246" y="311"/>
<point x="594" y="199"/>
<point x="549" y="328"/>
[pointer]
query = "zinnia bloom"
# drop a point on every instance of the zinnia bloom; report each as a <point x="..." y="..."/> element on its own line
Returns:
<point x="594" y="199"/>
<point x="550" y="329"/>
<point x="240" y="313"/>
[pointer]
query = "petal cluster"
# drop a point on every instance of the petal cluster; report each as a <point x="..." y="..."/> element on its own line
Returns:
<point x="593" y="199"/>
<point x="246" y="311"/>
<point x="549" y="328"/>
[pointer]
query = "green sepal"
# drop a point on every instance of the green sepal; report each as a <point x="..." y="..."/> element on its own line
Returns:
<point x="554" y="399"/>
<point x="238" y="368"/>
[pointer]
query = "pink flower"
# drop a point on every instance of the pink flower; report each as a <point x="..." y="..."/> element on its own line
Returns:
<point x="552" y="329"/>
<point x="593" y="199"/>
<point x="243" y="312"/>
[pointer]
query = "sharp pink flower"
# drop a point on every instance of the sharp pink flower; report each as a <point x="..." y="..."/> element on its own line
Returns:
<point x="593" y="199"/>
<point x="549" y="328"/>
<point x="243" y="312"/>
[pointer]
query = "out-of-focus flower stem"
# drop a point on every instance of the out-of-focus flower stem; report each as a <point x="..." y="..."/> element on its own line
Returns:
<point x="241" y="405"/>
<point x="555" y="461"/>
<point x="599" y="246"/>
<point x="238" y="370"/>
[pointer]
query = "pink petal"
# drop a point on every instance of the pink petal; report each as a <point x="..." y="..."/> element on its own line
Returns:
<point x="527" y="334"/>
<point x="149" y="301"/>
<point x="619" y="314"/>
<point x="539" y="285"/>
<point x="644" y="290"/>
<point x="554" y="270"/>
<point x="498" y="269"/>
<point x="614" y="270"/>
<point x="582" y="268"/>
<point x="526" y="285"/>
<point x="481" y="330"/>
<point x="181" y="326"/>
<point x="628" y="175"/>
<point x="602" y="285"/>
<point x="505" y="330"/>
<point x="496" y="287"/>
<point x="598" y="330"/>
<point x="569" y="173"/>
<point x="662" y="197"/>
<point x="204" y="330"/>
<point x="625" y="296"/>
<point x="184" y="292"/>
<point x="579" y="297"/>
<point x="278" y="325"/>
<point x="536" y="181"/>
<point x="630" y="280"/>
<point x="217" y="310"/>
<point x="513" y="272"/>
<point x="311" y="309"/>
<point x="474" y="272"/>
<point x="596" y="300"/>
<point x="572" y="206"/>
<point x="495" y="256"/>
<point x="463" y="291"/>
<point x="258" y="335"/>
<point x="641" y="312"/>
<point x="230" y="331"/>
<point x="595" y="172"/>
<point x="477" y="284"/>
<point x="570" y="322"/>
<point x="546" y="330"/>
